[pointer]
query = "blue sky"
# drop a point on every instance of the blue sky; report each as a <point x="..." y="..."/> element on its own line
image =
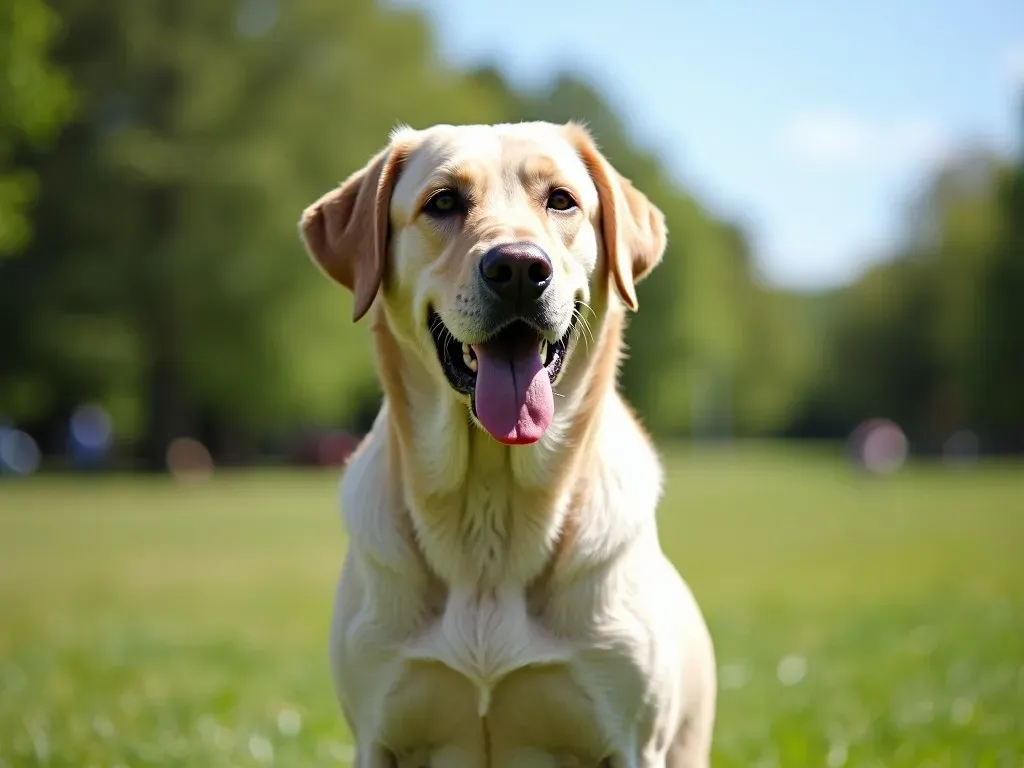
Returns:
<point x="811" y="122"/>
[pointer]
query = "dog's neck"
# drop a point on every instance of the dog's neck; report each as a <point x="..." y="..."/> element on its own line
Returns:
<point x="485" y="513"/>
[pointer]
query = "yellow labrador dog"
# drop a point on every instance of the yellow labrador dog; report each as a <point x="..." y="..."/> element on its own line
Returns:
<point x="505" y="602"/>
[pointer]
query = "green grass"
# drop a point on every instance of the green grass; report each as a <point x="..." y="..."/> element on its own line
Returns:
<point x="858" y="622"/>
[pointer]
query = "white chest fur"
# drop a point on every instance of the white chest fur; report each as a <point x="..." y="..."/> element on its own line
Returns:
<point x="485" y="637"/>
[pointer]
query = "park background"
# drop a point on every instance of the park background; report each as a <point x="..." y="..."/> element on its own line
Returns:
<point x="830" y="356"/>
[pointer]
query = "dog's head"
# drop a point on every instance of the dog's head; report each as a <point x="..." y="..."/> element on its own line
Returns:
<point x="486" y="245"/>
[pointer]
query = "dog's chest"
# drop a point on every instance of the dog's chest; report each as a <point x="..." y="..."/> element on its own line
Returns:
<point x="485" y="636"/>
<point x="539" y="716"/>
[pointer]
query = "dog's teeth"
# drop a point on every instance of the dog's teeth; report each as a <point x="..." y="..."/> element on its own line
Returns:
<point x="543" y="350"/>
<point x="469" y="357"/>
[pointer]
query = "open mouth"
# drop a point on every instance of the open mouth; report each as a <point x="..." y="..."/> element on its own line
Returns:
<point x="508" y="377"/>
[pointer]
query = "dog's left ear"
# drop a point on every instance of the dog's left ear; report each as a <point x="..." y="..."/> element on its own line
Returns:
<point x="633" y="228"/>
<point x="346" y="230"/>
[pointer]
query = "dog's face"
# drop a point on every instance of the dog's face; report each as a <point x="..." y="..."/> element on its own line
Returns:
<point x="487" y="243"/>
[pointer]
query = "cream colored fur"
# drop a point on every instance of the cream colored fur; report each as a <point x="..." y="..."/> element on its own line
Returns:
<point x="505" y="606"/>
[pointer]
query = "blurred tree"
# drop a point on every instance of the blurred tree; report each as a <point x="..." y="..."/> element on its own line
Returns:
<point x="35" y="99"/>
<point x="165" y="278"/>
<point x="963" y="216"/>
<point x="882" y="361"/>
<point x="928" y="338"/>
<point x="176" y="289"/>
<point x="997" y="363"/>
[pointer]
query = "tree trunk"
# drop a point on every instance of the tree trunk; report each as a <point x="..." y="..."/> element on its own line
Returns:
<point x="167" y="407"/>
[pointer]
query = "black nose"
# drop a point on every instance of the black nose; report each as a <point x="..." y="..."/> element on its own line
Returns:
<point x="516" y="272"/>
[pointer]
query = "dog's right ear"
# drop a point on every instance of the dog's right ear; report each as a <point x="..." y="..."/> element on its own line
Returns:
<point x="632" y="227"/>
<point x="346" y="230"/>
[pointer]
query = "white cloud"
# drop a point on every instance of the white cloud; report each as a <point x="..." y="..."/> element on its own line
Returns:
<point x="842" y="141"/>
<point x="917" y="141"/>
<point x="1013" y="65"/>
<point x="828" y="138"/>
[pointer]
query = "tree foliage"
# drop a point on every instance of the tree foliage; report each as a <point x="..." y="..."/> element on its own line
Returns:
<point x="35" y="99"/>
<point x="934" y="337"/>
<point x="164" y="276"/>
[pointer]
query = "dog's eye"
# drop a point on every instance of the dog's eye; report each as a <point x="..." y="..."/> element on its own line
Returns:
<point x="560" y="200"/>
<point x="444" y="203"/>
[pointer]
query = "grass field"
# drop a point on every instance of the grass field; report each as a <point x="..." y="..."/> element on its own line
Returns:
<point x="858" y="621"/>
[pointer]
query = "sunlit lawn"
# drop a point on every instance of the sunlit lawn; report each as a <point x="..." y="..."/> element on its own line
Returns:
<point x="858" y="622"/>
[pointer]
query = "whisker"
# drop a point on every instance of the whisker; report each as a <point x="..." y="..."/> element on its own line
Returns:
<point x="582" y="328"/>
<point x="578" y="334"/>
<point x="451" y="338"/>
<point x="446" y="337"/>
<point x="585" y="321"/>
<point x="588" y="330"/>
<point x="577" y="330"/>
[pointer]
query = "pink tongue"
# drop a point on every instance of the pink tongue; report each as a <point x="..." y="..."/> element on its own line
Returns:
<point x="513" y="392"/>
